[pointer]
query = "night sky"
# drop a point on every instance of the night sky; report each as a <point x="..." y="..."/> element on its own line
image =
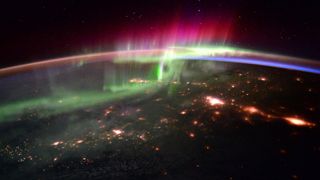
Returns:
<point x="36" y="30"/>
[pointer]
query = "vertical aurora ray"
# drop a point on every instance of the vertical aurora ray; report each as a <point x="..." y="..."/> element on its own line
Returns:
<point x="160" y="70"/>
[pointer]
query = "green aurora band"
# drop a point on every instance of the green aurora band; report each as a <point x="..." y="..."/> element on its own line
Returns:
<point x="172" y="57"/>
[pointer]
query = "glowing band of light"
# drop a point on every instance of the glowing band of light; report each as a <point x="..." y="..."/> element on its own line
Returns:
<point x="254" y="62"/>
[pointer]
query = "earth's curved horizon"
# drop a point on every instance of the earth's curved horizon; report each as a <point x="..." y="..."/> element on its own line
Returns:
<point x="198" y="52"/>
<point x="176" y="113"/>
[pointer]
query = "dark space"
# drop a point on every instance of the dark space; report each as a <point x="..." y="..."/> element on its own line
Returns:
<point x="39" y="29"/>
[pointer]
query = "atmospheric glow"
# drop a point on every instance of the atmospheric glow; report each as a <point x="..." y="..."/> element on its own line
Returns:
<point x="175" y="33"/>
<point x="172" y="57"/>
<point x="256" y="62"/>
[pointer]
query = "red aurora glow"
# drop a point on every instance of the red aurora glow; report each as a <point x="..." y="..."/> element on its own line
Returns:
<point x="175" y="33"/>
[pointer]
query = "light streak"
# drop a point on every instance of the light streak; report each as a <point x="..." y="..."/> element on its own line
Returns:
<point x="298" y="122"/>
<point x="262" y="78"/>
<point x="183" y="112"/>
<point x="192" y="135"/>
<point x="57" y="143"/>
<point x="251" y="110"/>
<point x="138" y="80"/>
<point x="195" y="122"/>
<point x="79" y="141"/>
<point x="214" y="101"/>
<point x="117" y="131"/>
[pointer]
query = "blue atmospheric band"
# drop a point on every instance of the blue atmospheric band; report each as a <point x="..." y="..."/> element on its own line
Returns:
<point x="254" y="62"/>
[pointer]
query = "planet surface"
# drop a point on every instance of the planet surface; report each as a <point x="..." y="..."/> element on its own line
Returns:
<point x="182" y="113"/>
